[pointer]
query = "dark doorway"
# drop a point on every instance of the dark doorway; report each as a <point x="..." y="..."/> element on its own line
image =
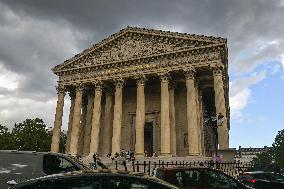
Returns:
<point x="148" y="139"/>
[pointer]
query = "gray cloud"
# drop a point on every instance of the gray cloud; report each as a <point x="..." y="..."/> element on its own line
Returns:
<point x="36" y="35"/>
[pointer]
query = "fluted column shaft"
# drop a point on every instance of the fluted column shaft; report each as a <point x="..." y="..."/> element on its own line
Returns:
<point x="107" y="127"/>
<point x="72" y="96"/>
<point x="165" y="117"/>
<point x="82" y="127"/>
<point x="172" y="120"/>
<point x="58" y="121"/>
<point x="223" y="133"/>
<point x="76" y="122"/>
<point x="192" y="123"/>
<point x="140" y="117"/>
<point x="116" y="137"/>
<point x="88" y="127"/>
<point x="95" y="133"/>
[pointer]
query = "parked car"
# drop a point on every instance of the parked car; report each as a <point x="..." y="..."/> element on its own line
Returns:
<point x="261" y="179"/>
<point x="102" y="180"/>
<point x="198" y="178"/>
<point x="19" y="165"/>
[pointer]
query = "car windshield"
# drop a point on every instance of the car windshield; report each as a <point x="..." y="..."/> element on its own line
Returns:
<point x="276" y="177"/>
<point x="80" y="163"/>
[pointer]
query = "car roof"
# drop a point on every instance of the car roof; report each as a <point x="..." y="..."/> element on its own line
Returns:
<point x="257" y="172"/>
<point x="29" y="152"/>
<point x="113" y="173"/>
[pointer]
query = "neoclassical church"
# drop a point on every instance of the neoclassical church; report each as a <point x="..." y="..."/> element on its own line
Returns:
<point x="147" y="91"/>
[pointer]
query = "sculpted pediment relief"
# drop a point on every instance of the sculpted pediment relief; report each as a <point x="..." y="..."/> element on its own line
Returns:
<point x="130" y="46"/>
<point x="135" y="47"/>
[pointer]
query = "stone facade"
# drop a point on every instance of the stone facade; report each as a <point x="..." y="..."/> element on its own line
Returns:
<point x="145" y="90"/>
<point x="247" y="154"/>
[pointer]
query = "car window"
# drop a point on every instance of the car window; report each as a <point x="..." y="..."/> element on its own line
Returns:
<point x="188" y="178"/>
<point x="37" y="185"/>
<point x="275" y="177"/>
<point x="259" y="176"/>
<point x="234" y="184"/>
<point x="80" y="183"/>
<point x="133" y="183"/>
<point x="215" y="179"/>
<point x="95" y="182"/>
<point x="55" y="164"/>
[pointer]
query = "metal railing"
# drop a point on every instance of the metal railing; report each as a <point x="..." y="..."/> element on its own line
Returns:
<point x="148" y="167"/>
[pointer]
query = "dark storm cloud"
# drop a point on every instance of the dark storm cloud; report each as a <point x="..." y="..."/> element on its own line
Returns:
<point x="36" y="35"/>
<point x="242" y="21"/>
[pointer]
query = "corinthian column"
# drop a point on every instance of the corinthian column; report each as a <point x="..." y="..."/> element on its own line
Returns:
<point x="140" y="116"/>
<point x="116" y="136"/>
<point x="192" y="123"/>
<point x="72" y="96"/>
<point x="172" y="119"/>
<point x="223" y="136"/>
<point x="107" y="127"/>
<point x="165" y="116"/>
<point x="58" y="120"/>
<point x="76" y="121"/>
<point x="95" y="133"/>
<point x="88" y="127"/>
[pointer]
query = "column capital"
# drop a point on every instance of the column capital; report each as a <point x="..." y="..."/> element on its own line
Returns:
<point x="98" y="85"/>
<point x="189" y="72"/>
<point x="217" y="69"/>
<point x="119" y="83"/>
<point x="140" y="79"/>
<point x="71" y="94"/>
<point x="79" y="87"/>
<point x="60" y="89"/>
<point x="172" y="85"/>
<point x="164" y="77"/>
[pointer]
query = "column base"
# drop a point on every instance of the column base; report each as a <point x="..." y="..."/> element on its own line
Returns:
<point x="73" y="155"/>
<point x="139" y="154"/>
<point x="165" y="155"/>
<point x="194" y="155"/>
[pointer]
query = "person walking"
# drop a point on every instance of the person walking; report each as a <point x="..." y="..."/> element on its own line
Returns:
<point x="95" y="161"/>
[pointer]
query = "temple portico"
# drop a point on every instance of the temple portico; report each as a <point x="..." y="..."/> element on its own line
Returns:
<point x="144" y="90"/>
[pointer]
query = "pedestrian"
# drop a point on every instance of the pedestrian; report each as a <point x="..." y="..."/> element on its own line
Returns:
<point x="146" y="153"/>
<point x="109" y="155"/>
<point x="95" y="161"/>
<point x="116" y="155"/>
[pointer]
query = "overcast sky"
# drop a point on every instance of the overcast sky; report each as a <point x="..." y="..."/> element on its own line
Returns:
<point x="36" y="35"/>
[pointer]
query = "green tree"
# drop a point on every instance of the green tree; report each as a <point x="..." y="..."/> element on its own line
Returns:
<point x="6" y="139"/>
<point x="278" y="149"/>
<point x="32" y="135"/>
<point x="273" y="159"/>
<point x="265" y="161"/>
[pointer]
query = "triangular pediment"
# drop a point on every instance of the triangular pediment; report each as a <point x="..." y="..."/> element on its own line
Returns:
<point x="133" y="43"/>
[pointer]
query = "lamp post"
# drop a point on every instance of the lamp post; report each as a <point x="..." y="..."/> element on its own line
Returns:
<point x="214" y="122"/>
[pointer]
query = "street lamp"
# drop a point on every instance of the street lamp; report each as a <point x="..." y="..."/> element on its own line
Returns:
<point x="214" y="122"/>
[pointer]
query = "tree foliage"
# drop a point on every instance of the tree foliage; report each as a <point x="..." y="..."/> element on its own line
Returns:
<point x="31" y="135"/>
<point x="265" y="162"/>
<point x="273" y="159"/>
<point x="6" y="139"/>
<point x="278" y="149"/>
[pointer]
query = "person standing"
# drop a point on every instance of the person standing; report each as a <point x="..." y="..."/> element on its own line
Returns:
<point x="95" y="161"/>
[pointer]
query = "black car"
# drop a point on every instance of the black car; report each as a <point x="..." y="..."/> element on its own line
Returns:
<point x="87" y="180"/>
<point x="198" y="178"/>
<point x="261" y="179"/>
<point x="18" y="166"/>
